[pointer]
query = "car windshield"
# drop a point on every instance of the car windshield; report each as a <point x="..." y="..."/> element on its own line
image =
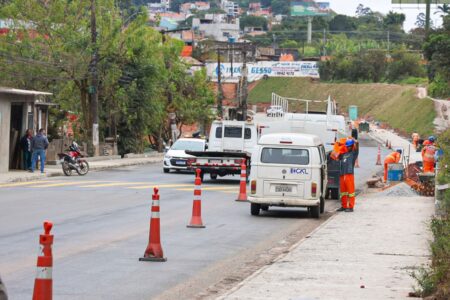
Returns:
<point x="188" y="145"/>
<point x="285" y="156"/>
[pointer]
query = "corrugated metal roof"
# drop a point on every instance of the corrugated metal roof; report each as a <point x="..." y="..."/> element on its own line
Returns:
<point x="6" y="90"/>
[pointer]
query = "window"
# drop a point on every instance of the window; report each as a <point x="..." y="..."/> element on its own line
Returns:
<point x="247" y="133"/>
<point x="285" y="156"/>
<point x="233" y="132"/>
<point x="218" y="132"/>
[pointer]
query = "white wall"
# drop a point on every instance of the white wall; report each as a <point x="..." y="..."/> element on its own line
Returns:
<point x="5" y="123"/>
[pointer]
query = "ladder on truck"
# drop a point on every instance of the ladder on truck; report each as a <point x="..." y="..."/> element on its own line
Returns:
<point x="283" y="102"/>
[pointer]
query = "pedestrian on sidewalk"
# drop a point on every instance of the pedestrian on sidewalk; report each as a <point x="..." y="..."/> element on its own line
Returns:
<point x="428" y="152"/>
<point x="347" y="178"/>
<point x="25" y="145"/>
<point x="392" y="158"/>
<point x="38" y="145"/>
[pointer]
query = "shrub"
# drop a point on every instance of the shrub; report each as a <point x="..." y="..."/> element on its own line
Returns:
<point x="439" y="88"/>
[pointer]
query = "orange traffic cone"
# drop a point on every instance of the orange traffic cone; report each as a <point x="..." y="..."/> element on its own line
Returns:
<point x="196" y="220"/>
<point x="243" y="184"/>
<point x="379" y="156"/>
<point x="154" y="250"/>
<point x="44" y="282"/>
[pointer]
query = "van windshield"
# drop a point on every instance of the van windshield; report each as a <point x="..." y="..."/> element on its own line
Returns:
<point x="285" y="156"/>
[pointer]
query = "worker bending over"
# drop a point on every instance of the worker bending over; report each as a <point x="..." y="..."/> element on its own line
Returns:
<point x="347" y="178"/>
<point x="392" y="158"/>
<point x="428" y="153"/>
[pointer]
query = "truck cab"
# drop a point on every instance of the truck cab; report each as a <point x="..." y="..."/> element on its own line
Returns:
<point x="288" y="170"/>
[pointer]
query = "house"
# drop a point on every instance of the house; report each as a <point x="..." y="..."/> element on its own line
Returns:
<point x="219" y="27"/>
<point x="19" y="110"/>
<point x="231" y="8"/>
<point x="187" y="8"/>
<point x="159" y="7"/>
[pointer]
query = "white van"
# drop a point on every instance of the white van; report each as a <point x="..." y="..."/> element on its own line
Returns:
<point x="288" y="169"/>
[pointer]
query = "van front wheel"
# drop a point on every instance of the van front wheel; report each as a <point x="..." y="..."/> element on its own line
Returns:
<point x="254" y="209"/>
<point x="315" y="211"/>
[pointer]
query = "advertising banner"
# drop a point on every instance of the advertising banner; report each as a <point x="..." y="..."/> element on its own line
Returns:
<point x="309" y="8"/>
<point x="256" y="71"/>
<point x="419" y="2"/>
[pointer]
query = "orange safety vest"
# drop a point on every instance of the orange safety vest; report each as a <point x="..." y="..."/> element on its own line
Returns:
<point x="392" y="158"/>
<point x="428" y="153"/>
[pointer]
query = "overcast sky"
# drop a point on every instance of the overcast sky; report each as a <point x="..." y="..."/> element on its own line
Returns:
<point x="348" y="7"/>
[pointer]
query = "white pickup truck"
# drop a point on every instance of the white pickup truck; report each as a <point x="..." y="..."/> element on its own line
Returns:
<point x="229" y="143"/>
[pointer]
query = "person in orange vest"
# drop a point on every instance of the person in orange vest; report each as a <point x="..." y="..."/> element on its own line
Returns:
<point x="428" y="152"/>
<point x="392" y="158"/>
<point x="347" y="179"/>
<point x="338" y="148"/>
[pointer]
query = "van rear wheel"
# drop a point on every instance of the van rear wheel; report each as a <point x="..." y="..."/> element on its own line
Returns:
<point x="315" y="211"/>
<point x="254" y="209"/>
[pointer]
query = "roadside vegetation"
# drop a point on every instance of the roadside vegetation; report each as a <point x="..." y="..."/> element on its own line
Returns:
<point x="396" y="105"/>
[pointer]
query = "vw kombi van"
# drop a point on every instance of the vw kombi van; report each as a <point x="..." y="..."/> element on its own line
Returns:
<point x="288" y="170"/>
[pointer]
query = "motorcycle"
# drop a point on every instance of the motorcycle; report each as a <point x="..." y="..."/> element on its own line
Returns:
<point x="73" y="161"/>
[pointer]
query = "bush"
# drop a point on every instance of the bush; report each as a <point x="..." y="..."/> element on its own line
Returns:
<point x="413" y="80"/>
<point x="439" y="88"/>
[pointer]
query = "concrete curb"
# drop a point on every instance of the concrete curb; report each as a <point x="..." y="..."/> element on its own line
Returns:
<point x="53" y="172"/>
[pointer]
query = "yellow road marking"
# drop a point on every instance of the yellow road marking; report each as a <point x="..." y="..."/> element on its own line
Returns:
<point x="112" y="184"/>
<point x="65" y="183"/>
<point x="26" y="183"/>
<point x="210" y="188"/>
<point x="158" y="186"/>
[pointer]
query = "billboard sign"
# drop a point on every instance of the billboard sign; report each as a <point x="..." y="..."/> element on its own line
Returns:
<point x="309" y="8"/>
<point x="258" y="70"/>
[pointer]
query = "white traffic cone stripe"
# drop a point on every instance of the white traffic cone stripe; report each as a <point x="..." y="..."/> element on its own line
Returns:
<point x="44" y="273"/>
<point x="155" y="214"/>
<point x="155" y="203"/>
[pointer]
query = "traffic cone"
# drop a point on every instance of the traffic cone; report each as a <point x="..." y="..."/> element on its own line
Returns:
<point x="154" y="250"/>
<point x="243" y="184"/>
<point x="196" y="220"/>
<point x="44" y="282"/>
<point x="379" y="156"/>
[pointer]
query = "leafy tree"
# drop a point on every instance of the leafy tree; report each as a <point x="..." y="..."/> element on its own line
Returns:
<point x="444" y="9"/>
<point x="394" y="21"/>
<point x="253" y="21"/>
<point x="289" y="44"/>
<point x="421" y="20"/>
<point x="280" y="7"/>
<point x="362" y="11"/>
<point x="342" y="23"/>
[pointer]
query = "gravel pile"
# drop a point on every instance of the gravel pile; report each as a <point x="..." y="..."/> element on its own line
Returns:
<point x="400" y="190"/>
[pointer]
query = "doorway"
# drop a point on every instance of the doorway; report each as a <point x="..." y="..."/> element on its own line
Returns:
<point x="15" y="159"/>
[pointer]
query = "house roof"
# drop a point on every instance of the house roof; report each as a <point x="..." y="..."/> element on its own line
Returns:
<point x="6" y="90"/>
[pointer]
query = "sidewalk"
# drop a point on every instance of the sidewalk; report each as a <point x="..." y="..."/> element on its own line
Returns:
<point x="97" y="165"/>
<point x="367" y="254"/>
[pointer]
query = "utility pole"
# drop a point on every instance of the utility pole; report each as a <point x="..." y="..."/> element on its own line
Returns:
<point x="219" y="86"/>
<point x="244" y="85"/>
<point x="309" y="30"/>
<point x="389" y="41"/>
<point x="93" y="89"/>
<point x="427" y="18"/>
<point x="324" y="52"/>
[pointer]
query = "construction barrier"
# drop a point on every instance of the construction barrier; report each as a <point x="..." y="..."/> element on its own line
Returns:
<point x="243" y="184"/>
<point x="44" y="282"/>
<point x="154" y="250"/>
<point x="196" y="220"/>
<point x="379" y="156"/>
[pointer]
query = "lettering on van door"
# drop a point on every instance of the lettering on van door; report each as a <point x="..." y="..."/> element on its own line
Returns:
<point x="299" y="171"/>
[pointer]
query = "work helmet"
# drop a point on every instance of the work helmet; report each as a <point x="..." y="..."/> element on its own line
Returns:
<point x="399" y="151"/>
<point x="432" y="138"/>
<point x="349" y="143"/>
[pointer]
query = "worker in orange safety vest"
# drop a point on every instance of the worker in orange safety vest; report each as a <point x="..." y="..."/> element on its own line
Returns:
<point x="338" y="149"/>
<point x="392" y="158"/>
<point x="347" y="178"/>
<point x="428" y="152"/>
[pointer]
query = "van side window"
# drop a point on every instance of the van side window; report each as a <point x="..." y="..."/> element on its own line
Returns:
<point x="233" y="132"/>
<point x="247" y="133"/>
<point x="285" y="156"/>
<point x="218" y="132"/>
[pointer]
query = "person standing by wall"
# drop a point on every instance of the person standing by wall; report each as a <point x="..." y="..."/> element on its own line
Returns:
<point x="38" y="145"/>
<point x="347" y="178"/>
<point x="25" y="145"/>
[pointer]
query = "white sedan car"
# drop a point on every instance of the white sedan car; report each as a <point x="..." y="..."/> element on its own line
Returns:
<point x="176" y="157"/>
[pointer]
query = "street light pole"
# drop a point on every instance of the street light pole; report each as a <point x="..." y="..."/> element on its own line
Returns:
<point x="93" y="89"/>
<point x="427" y="17"/>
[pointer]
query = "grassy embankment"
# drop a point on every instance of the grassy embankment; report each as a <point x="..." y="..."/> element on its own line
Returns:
<point x="396" y="105"/>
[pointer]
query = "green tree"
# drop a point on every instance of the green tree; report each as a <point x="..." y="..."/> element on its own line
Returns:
<point x="253" y="21"/>
<point x="394" y="21"/>
<point x="342" y="23"/>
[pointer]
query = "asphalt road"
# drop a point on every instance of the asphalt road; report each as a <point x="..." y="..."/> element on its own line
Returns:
<point x="101" y="224"/>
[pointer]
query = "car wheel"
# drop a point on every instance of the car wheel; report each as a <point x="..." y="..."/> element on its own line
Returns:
<point x="322" y="205"/>
<point x="166" y="170"/>
<point x="213" y="176"/>
<point x="315" y="211"/>
<point x="254" y="209"/>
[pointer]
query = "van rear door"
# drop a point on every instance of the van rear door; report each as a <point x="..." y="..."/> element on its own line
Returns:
<point x="284" y="171"/>
<point x="233" y="138"/>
